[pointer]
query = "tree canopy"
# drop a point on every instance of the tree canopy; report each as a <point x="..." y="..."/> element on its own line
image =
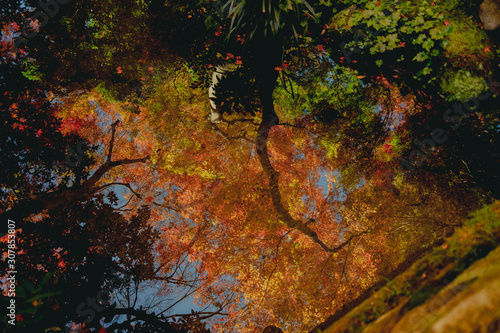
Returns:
<point x="268" y="161"/>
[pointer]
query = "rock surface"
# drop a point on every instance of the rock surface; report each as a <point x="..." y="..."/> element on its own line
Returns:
<point x="470" y="303"/>
<point x="453" y="288"/>
<point x="489" y="14"/>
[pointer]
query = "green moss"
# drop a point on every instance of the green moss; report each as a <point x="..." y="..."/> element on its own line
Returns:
<point x="486" y="219"/>
<point x="106" y="93"/>
<point x="462" y="85"/>
<point x="422" y="295"/>
<point x="31" y="71"/>
<point x="479" y="235"/>
<point x="437" y="257"/>
<point x="475" y="253"/>
<point x="466" y="6"/>
<point x="466" y="45"/>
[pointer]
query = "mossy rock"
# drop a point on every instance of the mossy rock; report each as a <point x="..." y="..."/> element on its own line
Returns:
<point x="428" y="296"/>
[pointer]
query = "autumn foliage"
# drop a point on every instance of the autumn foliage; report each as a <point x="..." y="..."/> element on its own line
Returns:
<point x="289" y="209"/>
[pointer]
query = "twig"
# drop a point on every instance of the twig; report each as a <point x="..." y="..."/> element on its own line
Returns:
<point x="112" y="140"/>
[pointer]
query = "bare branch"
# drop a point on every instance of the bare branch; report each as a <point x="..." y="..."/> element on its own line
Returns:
<point x="275" y="264"/>
<point x="112" y="140"/>
<point x="104" y="168"/>
<point x="205" y="314"/>
<point x="165" y="206"/>
<point x="127" y="185"/>
<point x="341" y="276"/>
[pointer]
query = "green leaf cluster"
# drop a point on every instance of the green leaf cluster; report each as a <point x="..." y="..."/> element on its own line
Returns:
<point x="418" y="32"/>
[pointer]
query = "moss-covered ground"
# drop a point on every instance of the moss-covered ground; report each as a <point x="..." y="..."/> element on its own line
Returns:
<point x="454" y="288"/>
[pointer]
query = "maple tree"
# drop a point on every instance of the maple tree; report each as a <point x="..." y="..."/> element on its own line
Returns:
<point x="53" y="180"/>
<point x="296" y="186"/>
<point x="227" y="196"/>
